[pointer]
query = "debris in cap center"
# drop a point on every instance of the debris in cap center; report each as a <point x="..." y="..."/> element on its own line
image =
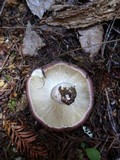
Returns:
<point x="68" y="94"/>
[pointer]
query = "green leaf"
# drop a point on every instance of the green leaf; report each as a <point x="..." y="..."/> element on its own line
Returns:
<point x="93" y="153"/>
<point x="7" y="77"/>
<point x="12" y="104"/>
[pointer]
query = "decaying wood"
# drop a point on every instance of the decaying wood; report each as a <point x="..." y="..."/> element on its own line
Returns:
<point x="84" y="15"/>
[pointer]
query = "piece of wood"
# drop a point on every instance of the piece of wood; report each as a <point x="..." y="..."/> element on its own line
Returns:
<point x="86" y="15"/>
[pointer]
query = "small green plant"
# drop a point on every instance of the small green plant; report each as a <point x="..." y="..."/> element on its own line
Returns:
<point x="91" y="152"/>
<point x="12" y="104"/>
<point x="7" y="77"/>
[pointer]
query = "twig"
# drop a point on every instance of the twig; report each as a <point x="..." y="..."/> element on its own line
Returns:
<point x="33" y="27"/>
<point x="111" y="119"/>
<point x="116" y="30"/>
<point x="107" y="35"/>
<point x="113" y="141"/>
<point x="77" y="49"/>
<point x="1" y="68"/>
<point x="103" y="146"/>
<point x="3" y="5"/>
<point x="5" y="153"/>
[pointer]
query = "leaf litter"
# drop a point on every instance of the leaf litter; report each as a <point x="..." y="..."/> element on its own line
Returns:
<point x="60" y="45"/>
<point x="39" y="7"/>
<point x="31" y="42"/>
<point x="91" y="39"/>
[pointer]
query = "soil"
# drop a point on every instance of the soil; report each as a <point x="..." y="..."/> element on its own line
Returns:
<point x="61" y="45"/>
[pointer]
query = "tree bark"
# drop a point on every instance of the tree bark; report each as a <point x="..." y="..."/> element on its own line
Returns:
<point x="86" y="15"/>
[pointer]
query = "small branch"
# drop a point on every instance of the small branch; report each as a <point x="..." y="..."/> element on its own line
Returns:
<point x="78" y="49"/>
<point x="111" y="119"/>
<point x="107" y="35"/>
<point x="1" y="68"/>
<point x="3" y="5"/>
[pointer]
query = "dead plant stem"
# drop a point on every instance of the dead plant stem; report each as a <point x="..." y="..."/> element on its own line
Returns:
<point x="3" y="5"/>
<point x="111" y="119"/>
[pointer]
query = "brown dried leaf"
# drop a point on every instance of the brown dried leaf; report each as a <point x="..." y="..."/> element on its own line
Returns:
<point x="2" y="39"/>
<point x="13" y="136"/>
<point x="19" y="145"/>
<point x="24" y="139"/>
<point x="25" y="134"/>
<point x="39" y="7"/>
<point x="91" y="38"/>
<point x="31" y="42"/>
<point x="12" y="2"/>
<point x="19" y="128"/>
<point x="31" y="139"/>
<point x="16" y="139"/>
<point x="9" y="131"/>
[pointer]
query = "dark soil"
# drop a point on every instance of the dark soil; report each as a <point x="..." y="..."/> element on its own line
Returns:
<point x="61" y="45"/>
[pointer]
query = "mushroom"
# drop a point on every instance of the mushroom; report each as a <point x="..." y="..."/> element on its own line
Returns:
<point x="60" y="95"/>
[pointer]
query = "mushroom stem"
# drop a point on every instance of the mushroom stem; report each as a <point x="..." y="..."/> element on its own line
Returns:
<point x="64" y="93"/>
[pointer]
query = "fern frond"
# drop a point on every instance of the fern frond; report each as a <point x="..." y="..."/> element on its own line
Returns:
<point x="24" y="140"/>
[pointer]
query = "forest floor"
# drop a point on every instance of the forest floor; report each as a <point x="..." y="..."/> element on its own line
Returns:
<point x="16" y="120"/>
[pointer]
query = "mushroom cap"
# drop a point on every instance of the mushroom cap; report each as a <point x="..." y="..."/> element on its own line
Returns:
<point x="50" y="111"/>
